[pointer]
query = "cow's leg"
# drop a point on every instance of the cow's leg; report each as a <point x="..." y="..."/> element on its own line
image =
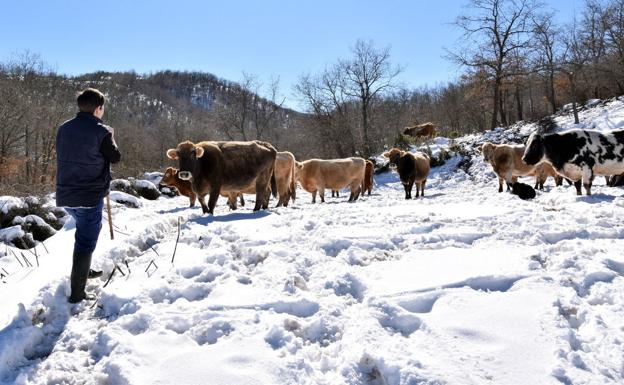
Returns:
<point x="536" y="183"/>
<point x="500" y="184"/>
<point x="242" y="200"/>
<point x="577" y="185"/>
<point x="267" y="198"/>
<point x="202" y="202"/>
<point x="212" y="200"/>
<point x="422" y="188"/>
<point x="192" y="199"/>
<point x="409" y="187"/>
<point x="314" y="196"/>
<point x="356" y="189"/>
<point x="232" y="200"/>
<point x="588" y="177"/>
<point x="607" y="179"/>
<point x="322" y="194"/>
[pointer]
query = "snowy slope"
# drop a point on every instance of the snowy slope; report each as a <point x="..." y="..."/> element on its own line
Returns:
<point x="464" y="286"/>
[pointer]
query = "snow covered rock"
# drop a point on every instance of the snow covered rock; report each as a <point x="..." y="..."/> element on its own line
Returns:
<point x="17" y="237"/>
<point x="125" y="199"/>
<point x="136" y="188"/>
<point x="146" y="189"/>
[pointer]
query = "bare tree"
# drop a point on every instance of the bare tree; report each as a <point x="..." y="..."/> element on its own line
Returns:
<point x="492" y="31"/>
<point x="368" y="74"/>
<point x="547" y="44"/>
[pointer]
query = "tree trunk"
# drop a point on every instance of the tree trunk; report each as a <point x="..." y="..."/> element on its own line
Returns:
<point x="573" y="87"/>
<point x="551" y="91"/>
<point x="519" y="103"/>
<point x="502" y="108"/>
<point x="495" y="106"/>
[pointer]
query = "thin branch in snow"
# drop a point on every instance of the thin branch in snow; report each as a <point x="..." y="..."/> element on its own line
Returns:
<point x="176" y="244"/>
<point x="109" y="278"/>
<point x="28" y="264"/>
<point x="150" y="265"/>
<point x="121" y="271"/>
<point x="18" y="260"/>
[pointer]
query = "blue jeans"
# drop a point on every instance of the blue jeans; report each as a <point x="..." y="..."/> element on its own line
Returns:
<point x="88" y="226"/>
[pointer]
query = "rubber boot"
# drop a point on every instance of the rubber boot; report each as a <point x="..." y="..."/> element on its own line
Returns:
<point x="79" y="275"/>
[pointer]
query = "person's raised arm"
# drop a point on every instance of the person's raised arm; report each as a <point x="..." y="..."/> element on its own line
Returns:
<point x="109" y="149"/>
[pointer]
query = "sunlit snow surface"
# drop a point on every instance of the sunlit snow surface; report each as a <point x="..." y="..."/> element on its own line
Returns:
<point x="463" y="286"/>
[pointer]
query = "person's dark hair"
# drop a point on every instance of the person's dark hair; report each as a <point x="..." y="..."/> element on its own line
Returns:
<point x="89" y="100"/>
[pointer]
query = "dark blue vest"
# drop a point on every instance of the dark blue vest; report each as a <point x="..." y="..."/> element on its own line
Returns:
<point x="82" y="173"/>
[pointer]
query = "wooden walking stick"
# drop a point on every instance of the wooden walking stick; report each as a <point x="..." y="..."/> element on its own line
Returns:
<point x="110" y="217"/>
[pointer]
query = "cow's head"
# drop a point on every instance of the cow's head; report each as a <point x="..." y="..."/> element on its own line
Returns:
<point x="298" y="168"/>
<point x="409" y="131"/>
<point x="393" y="155"/>
<point x="534" y="152"/>
<point x="487" y="149"/>
<point x="169" y="179"/>
<point x="187" y="154"/>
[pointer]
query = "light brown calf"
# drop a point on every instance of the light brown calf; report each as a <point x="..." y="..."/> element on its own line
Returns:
<point x="316" y="175"/>
<point x="506" y="160"/>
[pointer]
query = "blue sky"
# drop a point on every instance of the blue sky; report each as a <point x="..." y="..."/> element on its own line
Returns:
<point x="266" y="38"/>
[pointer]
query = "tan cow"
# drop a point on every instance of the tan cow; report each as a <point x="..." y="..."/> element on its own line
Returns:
<point x="285" y="178"/>
<point x="425" y="130"/>
<point x="316" y="175"/>
<point x="506" y="160"/>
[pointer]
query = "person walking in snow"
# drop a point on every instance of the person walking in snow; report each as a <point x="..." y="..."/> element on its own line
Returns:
<point x="85" y="149"/>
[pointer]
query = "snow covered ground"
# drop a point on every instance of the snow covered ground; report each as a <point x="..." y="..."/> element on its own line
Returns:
<point x="463" y="286"/>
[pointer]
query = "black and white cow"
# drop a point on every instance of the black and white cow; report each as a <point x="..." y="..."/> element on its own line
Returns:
<point x="579" y="155"/>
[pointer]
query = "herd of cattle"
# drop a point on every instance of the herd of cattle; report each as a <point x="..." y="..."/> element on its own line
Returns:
<point x="576" y="155"/>
<point x="231" y="169"/>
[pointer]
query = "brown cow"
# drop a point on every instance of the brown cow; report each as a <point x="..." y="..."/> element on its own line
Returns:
<point x="412" y="168"/>
<point x="284" y="179"/>
<point x="171" y="179"/>
<point x="425" y="130"/>
<point x="367" y="185"/>
<point x="228" y="166"/>
<point x="316" y="175"/>
<point x="506" y="160"/>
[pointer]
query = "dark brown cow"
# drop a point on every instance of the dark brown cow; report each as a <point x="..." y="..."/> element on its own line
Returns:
<point x="412" y="168"/>
<point x="228" y="166"/>
<point x="367" y="185"/>
<point x="425" y="130"/>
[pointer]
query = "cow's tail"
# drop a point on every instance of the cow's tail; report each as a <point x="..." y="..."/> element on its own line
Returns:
<point x="273" y="183"/>
<point x="293" y="182"/>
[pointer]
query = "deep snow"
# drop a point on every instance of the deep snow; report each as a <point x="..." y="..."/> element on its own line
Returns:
<point x="463" y="286"/>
